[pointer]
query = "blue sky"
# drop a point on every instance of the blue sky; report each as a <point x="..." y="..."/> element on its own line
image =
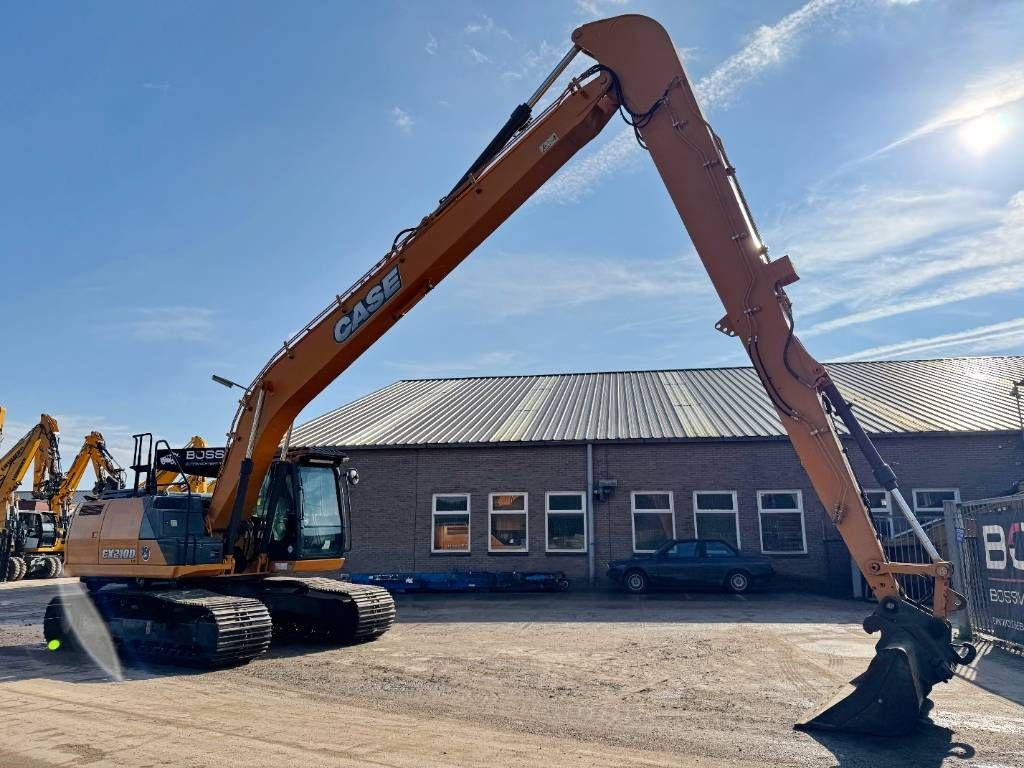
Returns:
<point x="188" y="183"/>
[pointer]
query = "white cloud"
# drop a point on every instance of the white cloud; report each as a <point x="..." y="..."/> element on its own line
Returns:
<point x="73" y="429"/>
<point x="870" y="235"/>
<point x="485" y="25"/>
<point x="497" y="362"/>
<point x="965" y="246"/>
<point x="985" y="339"/>
<point x="171" y="324"/>
<point x="530" y="283"/>
<point x="402" y="120"/>
<point x="599" y="9"/>
<point x="536" y="61"/>
<point x="994" y="92"/>
<point x="478" y="56"/>
<point x="431" y="44"/>
<point x="769" y="47"/>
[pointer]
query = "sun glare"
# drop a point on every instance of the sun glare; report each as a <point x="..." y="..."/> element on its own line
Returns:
<point x="983" y="133"/>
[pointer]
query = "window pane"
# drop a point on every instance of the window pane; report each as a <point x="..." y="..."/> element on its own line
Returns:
<point x="451" y="503"/>
<point x="566" y="532"/>
<point x="565" y="501"/>
<point x="508" y="501"/>
<point x="933" y="499"/>
<point x="779" y="500"/>
<point x="876" y="500"/>
<point x="651" y="501"/>
<point x="319" y="497"/>
<point x="451" y="533"/>
<point x="782" y="532"/>
<point x="717" y="549"/>
<point x="508" y="530"/>
<point x="714" y="501"/>
<point x="717" y="526"/>
<point x="652" y="530"/>
<point x="683" y="549"/>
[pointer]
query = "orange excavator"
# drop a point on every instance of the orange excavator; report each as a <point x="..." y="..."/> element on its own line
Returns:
<point x="202" y="575"/>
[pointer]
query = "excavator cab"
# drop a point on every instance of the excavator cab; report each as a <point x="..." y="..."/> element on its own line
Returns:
<point x="302" y="511"/>
<point x="39" y="529"/>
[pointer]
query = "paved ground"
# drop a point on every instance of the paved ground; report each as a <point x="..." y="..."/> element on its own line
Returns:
<point x="529" y="680"/>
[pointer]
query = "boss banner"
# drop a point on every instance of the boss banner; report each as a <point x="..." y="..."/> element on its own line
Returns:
<point x="204" y="462"/>
<point x="1000" y="543"/>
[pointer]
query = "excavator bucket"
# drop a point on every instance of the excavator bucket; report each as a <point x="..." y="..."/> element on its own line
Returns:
<point x="890" y="698"/>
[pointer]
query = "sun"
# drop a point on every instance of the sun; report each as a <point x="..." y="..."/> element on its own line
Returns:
<point x="982" y="133"/>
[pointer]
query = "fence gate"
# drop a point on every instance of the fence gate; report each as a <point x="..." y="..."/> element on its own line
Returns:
<point x="986" y="540"/>
<point x="902" y="546"/>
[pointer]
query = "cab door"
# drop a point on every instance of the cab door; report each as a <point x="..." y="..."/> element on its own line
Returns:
<point x="83" y="542"/>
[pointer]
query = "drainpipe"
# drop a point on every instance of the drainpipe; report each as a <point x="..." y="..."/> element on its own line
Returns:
<point x="591" y="537"/>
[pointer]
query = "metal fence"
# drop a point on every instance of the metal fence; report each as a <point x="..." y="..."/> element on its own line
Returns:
<point x="986" y="543"/>
<point x="902" y="546"/>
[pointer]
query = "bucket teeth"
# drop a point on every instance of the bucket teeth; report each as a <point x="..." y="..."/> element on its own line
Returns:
<point x="915" y="651"/>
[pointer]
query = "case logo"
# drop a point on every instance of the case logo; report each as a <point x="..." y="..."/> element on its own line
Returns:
<point x="366" y="306"/>
<point x="145" y="554"/>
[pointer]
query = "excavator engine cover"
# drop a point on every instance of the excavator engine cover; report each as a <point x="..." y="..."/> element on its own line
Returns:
<point x="915" y="651"/>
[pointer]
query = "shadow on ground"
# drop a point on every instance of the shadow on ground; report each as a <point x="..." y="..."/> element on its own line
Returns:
<point x="32" y="661"/>
<point x="997" y="671"/>
<point x="929" y="745"/>
<point x="672" y="607"/>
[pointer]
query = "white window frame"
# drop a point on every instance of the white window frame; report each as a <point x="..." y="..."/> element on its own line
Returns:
<point x="633" y="512"/>
<point x="888" y="508"/>
<point x="525" y="512"/>
<point x="582" y="513"/>
<point x="735" y="512"/>
<point x="917" y="509"/>
<point x="469" y="523"/>
<point x="800" y="509"/>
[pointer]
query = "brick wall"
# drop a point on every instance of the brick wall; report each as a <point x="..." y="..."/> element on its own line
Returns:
<point x="392" y="521"/>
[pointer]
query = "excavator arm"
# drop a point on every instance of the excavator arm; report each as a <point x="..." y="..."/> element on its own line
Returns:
<point x="38" y="445"/>
<point x="638" y="73"/>
<point x="109" y="475"/>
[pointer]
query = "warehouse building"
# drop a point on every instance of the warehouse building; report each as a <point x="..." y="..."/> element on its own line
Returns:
<point x="566" y="472"/>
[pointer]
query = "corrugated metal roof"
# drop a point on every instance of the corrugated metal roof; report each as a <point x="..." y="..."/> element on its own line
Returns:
<point x="894" y="396"/>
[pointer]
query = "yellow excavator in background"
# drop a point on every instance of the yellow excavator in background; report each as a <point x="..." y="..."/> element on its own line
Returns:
<point x="168" y="478"/>
<point x="109" y="475"/>
<point x="202" y="579"/>
<point x="31" y="540"/>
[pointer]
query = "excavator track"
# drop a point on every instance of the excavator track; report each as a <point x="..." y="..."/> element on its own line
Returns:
<point x="319" y="608"/>
<point x="194" y="627"/>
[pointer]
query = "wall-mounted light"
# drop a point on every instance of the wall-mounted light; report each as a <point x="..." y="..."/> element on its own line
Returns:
<point x="603" y="489"/>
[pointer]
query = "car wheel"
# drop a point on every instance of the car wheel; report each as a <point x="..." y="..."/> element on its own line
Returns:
<point x="635" y="582"/>
<point x="737" y="582"/>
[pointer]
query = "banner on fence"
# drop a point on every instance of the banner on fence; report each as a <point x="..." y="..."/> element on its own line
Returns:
<point x="1000" y="542"/>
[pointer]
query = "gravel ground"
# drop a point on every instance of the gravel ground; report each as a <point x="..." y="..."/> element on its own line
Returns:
<point x="512" y="680"/>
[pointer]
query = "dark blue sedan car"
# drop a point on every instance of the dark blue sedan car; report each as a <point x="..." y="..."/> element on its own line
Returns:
<point x="689" y="563"/>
